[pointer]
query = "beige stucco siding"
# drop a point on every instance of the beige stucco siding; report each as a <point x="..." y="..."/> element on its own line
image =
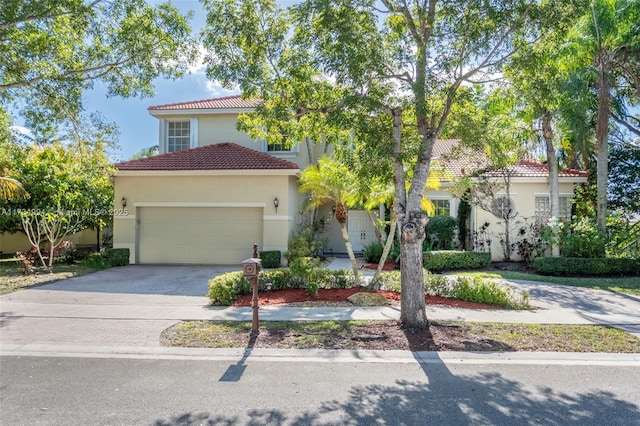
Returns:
<point x="253" y="191"/>
<point x="12" y="243"/>
<point x="222" y="128"/>
<point x="523" y="194"/>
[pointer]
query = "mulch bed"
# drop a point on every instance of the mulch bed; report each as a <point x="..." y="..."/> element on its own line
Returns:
<point x="338" y="297"/>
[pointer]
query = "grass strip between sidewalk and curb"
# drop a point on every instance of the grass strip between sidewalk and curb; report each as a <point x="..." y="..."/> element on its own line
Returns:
<point x="388" y="335"/>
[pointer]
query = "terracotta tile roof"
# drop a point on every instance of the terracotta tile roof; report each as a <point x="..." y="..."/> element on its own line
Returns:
<point x="227" y="102"/>
<point x="455" y="160"/>
<point x="221" y="156"/>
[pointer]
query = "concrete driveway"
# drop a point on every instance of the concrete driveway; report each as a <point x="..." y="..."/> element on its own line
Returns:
<point x="91" y="310"/>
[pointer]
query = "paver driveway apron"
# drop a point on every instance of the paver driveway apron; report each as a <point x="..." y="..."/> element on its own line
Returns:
<point x="91" y="310"/>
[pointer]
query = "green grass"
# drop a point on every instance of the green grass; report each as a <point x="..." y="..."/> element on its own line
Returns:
<point x="557" y="337"/>
<point x="12" y="279"/>
<point x="627" y="285"/>
<point x="283" y="334"/>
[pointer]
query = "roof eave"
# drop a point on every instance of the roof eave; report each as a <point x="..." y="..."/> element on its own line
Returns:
<point x="237" y="172"/>
<point x="197" y="111"/>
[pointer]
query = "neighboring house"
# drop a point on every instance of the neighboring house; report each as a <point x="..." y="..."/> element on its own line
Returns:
<point x="213" y="192"/>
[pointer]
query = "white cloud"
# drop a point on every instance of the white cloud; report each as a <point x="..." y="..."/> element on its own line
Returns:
<point x="21" y="130"/>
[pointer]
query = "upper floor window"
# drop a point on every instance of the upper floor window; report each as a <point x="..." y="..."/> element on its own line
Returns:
<point x="178" y="135"/>
<point x="443" y="207"/>
<point x="279" y="147"/>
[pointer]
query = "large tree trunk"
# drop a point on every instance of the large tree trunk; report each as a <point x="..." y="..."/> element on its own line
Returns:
<point x="602" y="136"/>
<point x="412" y="304"/>
<point x="552" y="165"/>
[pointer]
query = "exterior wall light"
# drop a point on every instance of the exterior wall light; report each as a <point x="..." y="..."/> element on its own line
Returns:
<point x="123" y="202"/>
<point x="276" y="203"/>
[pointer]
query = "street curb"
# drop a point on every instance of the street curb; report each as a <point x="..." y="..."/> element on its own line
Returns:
<point x="243" y="355"/>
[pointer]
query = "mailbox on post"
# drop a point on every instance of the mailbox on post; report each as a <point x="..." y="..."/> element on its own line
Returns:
<point x="250" y="269"/>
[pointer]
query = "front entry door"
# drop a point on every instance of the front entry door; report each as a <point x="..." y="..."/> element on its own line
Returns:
<point x="360" y="229"/>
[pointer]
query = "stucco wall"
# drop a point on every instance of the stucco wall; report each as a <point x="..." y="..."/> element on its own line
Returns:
<point x="12" y="243"/>
<point x="253" y="190"/>
<point x="523" y="195"/>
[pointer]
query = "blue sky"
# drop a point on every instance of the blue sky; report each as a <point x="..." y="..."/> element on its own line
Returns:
<point x="138" y="129"/>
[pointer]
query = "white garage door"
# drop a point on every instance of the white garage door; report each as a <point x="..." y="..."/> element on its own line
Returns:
<point x="195" y="235"/>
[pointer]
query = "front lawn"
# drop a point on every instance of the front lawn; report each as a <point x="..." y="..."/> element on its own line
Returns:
<point x="12" y="278"/>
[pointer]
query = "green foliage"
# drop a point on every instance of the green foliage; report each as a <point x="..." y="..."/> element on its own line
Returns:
<point x="464" y="212"/>
<point x="373" y="252"/>
<point x="624" y="238"/>
<point x="271" y="258"/>
<point x="53" y="50"/>
<point x="586" y="266"/>
<point x="624" y="177"/>
<point x="96" y="261"/>
<point x="468" y="289"/>
<point x="226" y="288"/>
<point x="476" y="289"/>
<point x="579" y="238"/>
<point x="450" y="260"/>
<point x="440" y="230"/>
<point x="303" y="243"/>
<point x="117" y="256"/>
<point x="68" y="179"/>
<point x="275" y="279"/>
<point x="304" y="270"/>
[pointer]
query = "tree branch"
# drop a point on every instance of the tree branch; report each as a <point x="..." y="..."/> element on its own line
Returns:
<point x="49" y="15"/>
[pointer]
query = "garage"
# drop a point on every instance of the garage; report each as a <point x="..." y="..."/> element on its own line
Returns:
<point x="197" y="235"/>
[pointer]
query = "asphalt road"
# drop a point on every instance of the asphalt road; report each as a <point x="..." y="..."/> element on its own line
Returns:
<point x="96" y="391"/>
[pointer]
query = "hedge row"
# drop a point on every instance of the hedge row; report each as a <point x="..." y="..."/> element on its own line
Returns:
<point x="586" y="266"/>
<point x="226" y="288"/>
<point x="271" y="258"/>
<point x="437" y="261"/>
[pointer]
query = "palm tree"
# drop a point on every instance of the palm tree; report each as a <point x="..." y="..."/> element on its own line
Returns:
<point x="604" y="40"/>
<point x="331" y="182"/>
<point x="11" y="188"/>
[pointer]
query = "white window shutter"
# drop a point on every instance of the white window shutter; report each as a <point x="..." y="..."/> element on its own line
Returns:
<point x="162" y="140"/>
<point x="194" y="132"/>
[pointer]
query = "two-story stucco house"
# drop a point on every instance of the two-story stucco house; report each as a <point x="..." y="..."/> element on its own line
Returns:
<point x="213" y="192"/>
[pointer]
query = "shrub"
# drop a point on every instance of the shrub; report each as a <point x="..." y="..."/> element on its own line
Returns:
<point x="304" y="268"/>
<point x="577" y="239"/>
<point x="478" y="290"/>
<point x="117" y="256"/>
<point x="277" y="278"/>
<point x="226" y="288"/>
<point x="373" y="252"/>
<point x="303" y="243"/>
<point x="271" y="258"/>
<point x="584" y="266"/>
<point x="96" y="261"/>
<point x="440" y="231"/>
<point x="437" y="261"/>
<point x="467" y="289"/>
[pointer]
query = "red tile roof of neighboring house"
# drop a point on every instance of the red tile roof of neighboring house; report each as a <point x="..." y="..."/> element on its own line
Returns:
<point x="456" y="160"/>
<point x="221" y="156"/>
<point x="227" y="102"/>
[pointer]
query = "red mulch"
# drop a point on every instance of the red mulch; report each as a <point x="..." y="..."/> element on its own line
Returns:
<point x="291" y="295"/>
<point x="389" y="266"/>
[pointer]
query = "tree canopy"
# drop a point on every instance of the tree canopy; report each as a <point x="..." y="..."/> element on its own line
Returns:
<point x="53" y="50"/>
<point x="322" y="65"/>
